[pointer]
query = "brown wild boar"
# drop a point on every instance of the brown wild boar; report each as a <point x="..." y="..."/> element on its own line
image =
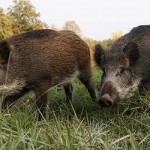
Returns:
<point x="40" y="59"/>
<point x="126" y="66"/>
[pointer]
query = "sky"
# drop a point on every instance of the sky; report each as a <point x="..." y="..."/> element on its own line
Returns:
<point x="97" y="19"/>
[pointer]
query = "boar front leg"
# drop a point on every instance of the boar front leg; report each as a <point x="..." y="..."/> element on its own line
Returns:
<point x="143" y="87"/>
<point x="41" y="99"/>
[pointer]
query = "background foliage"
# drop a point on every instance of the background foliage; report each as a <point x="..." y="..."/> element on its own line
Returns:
<point x="22" y="16"/>
<point x="19" y="17"/>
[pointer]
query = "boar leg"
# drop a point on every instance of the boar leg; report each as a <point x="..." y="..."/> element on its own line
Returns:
<point x="9" y="99"/>
<point x="85" y="78"/>
<point x="143" y="87"/>
<point x="68" y="91"/>
<point x="41" y="99"/>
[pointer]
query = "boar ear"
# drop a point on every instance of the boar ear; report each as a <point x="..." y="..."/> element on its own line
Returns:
<point x="99" y="55"/>
<point x="132" y="53"/>
<point x="4" y="51"/>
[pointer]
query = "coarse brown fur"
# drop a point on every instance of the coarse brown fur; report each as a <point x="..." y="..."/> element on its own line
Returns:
<point x="41" y="59"/>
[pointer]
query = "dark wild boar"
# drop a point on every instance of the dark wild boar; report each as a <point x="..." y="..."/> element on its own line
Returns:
<point x="38" y="60"/>
<point x="126" y="66"/>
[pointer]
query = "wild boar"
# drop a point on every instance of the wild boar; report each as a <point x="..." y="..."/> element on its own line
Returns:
<point x="125" y="65"/>
<point x="40" y="59"/>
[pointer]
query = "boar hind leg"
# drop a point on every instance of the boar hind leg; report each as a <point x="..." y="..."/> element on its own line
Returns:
<point x="85" y="78"/>
<point x="10" y="99"/>
<point x="68" y="91"/>
<point x="41" y="100"/>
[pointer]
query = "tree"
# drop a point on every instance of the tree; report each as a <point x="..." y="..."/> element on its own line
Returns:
<point x="72" y="26"/>
<point x="5" y="25"/>
<point x="116" y="35"/>
<point x="24" y="16"/>
<point x="54" y="27"/>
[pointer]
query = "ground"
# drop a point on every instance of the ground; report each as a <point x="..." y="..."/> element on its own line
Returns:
<point x="82" y="125"/>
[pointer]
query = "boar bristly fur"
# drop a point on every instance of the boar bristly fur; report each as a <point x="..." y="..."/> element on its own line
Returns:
<point x="126" y="66"/>
<point x="40" y="59"/>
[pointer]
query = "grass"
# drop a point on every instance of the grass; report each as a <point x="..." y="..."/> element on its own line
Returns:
<point x="82" y="125"/>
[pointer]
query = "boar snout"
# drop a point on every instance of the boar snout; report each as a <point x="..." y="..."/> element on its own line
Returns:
<point x="106" y="101"/>
<point x="109" y="95"/>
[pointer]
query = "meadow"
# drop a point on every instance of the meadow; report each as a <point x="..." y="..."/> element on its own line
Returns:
<point x="80" y="125"/>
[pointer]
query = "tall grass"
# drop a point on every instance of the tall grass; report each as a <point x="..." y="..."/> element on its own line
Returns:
<point x="82" y="125"/>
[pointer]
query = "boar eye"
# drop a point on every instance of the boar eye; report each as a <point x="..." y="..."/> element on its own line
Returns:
<point x="122" y="70"/>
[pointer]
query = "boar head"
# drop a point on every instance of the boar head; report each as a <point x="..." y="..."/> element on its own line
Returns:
<point x="119" y="79"/>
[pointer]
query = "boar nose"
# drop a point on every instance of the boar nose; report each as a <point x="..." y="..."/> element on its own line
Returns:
<point x="106" y="101"/>
<point x="109" y="95"/>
